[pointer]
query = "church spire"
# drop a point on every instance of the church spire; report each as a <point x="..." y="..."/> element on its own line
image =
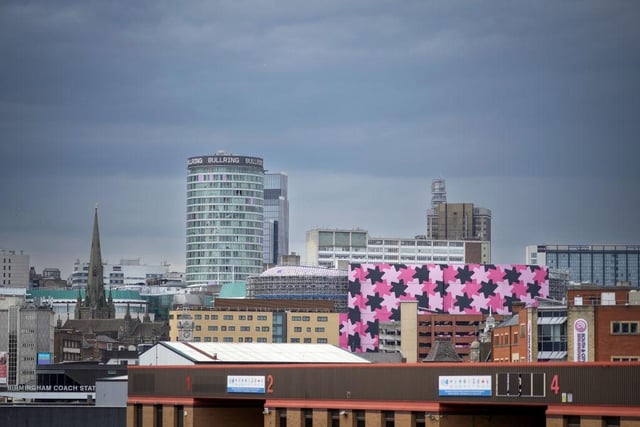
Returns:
<point x="95" y="303"/>
<point x="95" y="284"/>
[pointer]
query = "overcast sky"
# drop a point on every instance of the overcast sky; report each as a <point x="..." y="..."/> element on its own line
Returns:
<point x="530" y="109"/>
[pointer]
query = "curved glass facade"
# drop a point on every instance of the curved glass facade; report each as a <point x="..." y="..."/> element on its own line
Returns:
<point x="225" y="215"/>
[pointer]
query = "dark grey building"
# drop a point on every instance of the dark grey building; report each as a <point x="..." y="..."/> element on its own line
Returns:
<point x="276" y="217"/>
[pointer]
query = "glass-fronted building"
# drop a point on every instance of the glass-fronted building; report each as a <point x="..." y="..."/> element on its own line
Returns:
<point x="225" y="216"/>
<point x="276" y="217"/>
<point x="604" y="265"/>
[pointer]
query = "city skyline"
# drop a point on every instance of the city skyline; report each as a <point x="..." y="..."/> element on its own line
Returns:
<point x="529" y="110"/>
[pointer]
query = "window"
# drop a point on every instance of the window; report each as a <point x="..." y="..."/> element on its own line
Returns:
<point x="137" y="409"/>
<point x="322" y="341"/>
<point x="611" y="421"/>
<point x="227" y="317"/>
<point x="624" y="328"/>
<point x="262" y="317"/>
<point x="307" y="340"/>
<point x="625" y="358"/>
<point x="282" y="417"/>
<point x="389" y="418"/>
<point x="319" y="329"/>
<point x="179" y="416"/>
<point x="297" y="329"/>
<point x="308" y="417"/>
<point x="212" y="327"/>
<point x="158" y="415"/>
<point x="323" y="318"/>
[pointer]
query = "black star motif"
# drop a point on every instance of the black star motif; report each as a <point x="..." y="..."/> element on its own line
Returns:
<point x="354" y="315"/>
<point x="354" y="342"/>
<point x="488" y="288"/>
<point x="375" y="301"/>
<point x="372" y="328"/>
<point x="395" y="314"/>
<point x="423" y="301"/>
<point x="422" y="274"/>
<point x="512" y="275"/>
<point x="533" y="289"/>
<point x="463" y="301"/>
<point x="464" y="274"/>
<point x="441" y="288"/>
<point x="399" y="267"/>
<point x="354" y="288"/>
<point x="375" y="275"/>
<point x="508" y="302"/>
<point x="398" y="288"/>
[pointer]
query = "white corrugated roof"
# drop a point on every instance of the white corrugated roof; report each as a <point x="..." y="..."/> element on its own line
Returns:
<point x="300" y="270"/>
<point x="552" y="320"/>
<point x="552" y="355"/>
<point x="204" y="352"/>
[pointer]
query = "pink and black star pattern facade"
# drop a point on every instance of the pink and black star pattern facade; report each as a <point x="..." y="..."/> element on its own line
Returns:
<point x="376" y="290"/>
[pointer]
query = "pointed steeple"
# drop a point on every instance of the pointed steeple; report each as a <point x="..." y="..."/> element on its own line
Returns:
<point x="95" y="304"/>
<point x="95" y="283"/>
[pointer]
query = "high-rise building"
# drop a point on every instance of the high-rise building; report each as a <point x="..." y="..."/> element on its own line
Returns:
<point x="276" y="217"/>
<point x="455" y="221"/>
<point x="225" y="218"/>
<point x="459" y="221"/>
<point x="15" y="269"/>
<point x="26" y="332"/>
<point x="604" y="265"/>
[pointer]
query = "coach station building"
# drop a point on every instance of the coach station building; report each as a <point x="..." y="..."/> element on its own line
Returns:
<point x="377" y="395"/>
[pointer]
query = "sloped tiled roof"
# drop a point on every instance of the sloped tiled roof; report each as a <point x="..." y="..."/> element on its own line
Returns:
<point x="443" y="351"/>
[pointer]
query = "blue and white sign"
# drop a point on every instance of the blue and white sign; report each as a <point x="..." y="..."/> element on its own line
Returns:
<point x="245" y="384"/>
<point x="464" y="385"/>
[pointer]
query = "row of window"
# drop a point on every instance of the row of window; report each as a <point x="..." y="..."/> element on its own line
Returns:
<point x="306" y="340"/>
<point x="259" y="317"/>
<point x="624" y="328"/>
<point x="232" y="328"/>
<point x="371" y="256"/>
<point x="225" y="177"/>
<point x="228" y="207"/>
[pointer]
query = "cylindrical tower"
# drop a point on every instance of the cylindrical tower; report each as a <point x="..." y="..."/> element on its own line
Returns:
<point x="225" y="197"/>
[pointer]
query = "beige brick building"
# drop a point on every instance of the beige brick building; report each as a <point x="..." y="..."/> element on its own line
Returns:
<point x="257" y="321"/>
